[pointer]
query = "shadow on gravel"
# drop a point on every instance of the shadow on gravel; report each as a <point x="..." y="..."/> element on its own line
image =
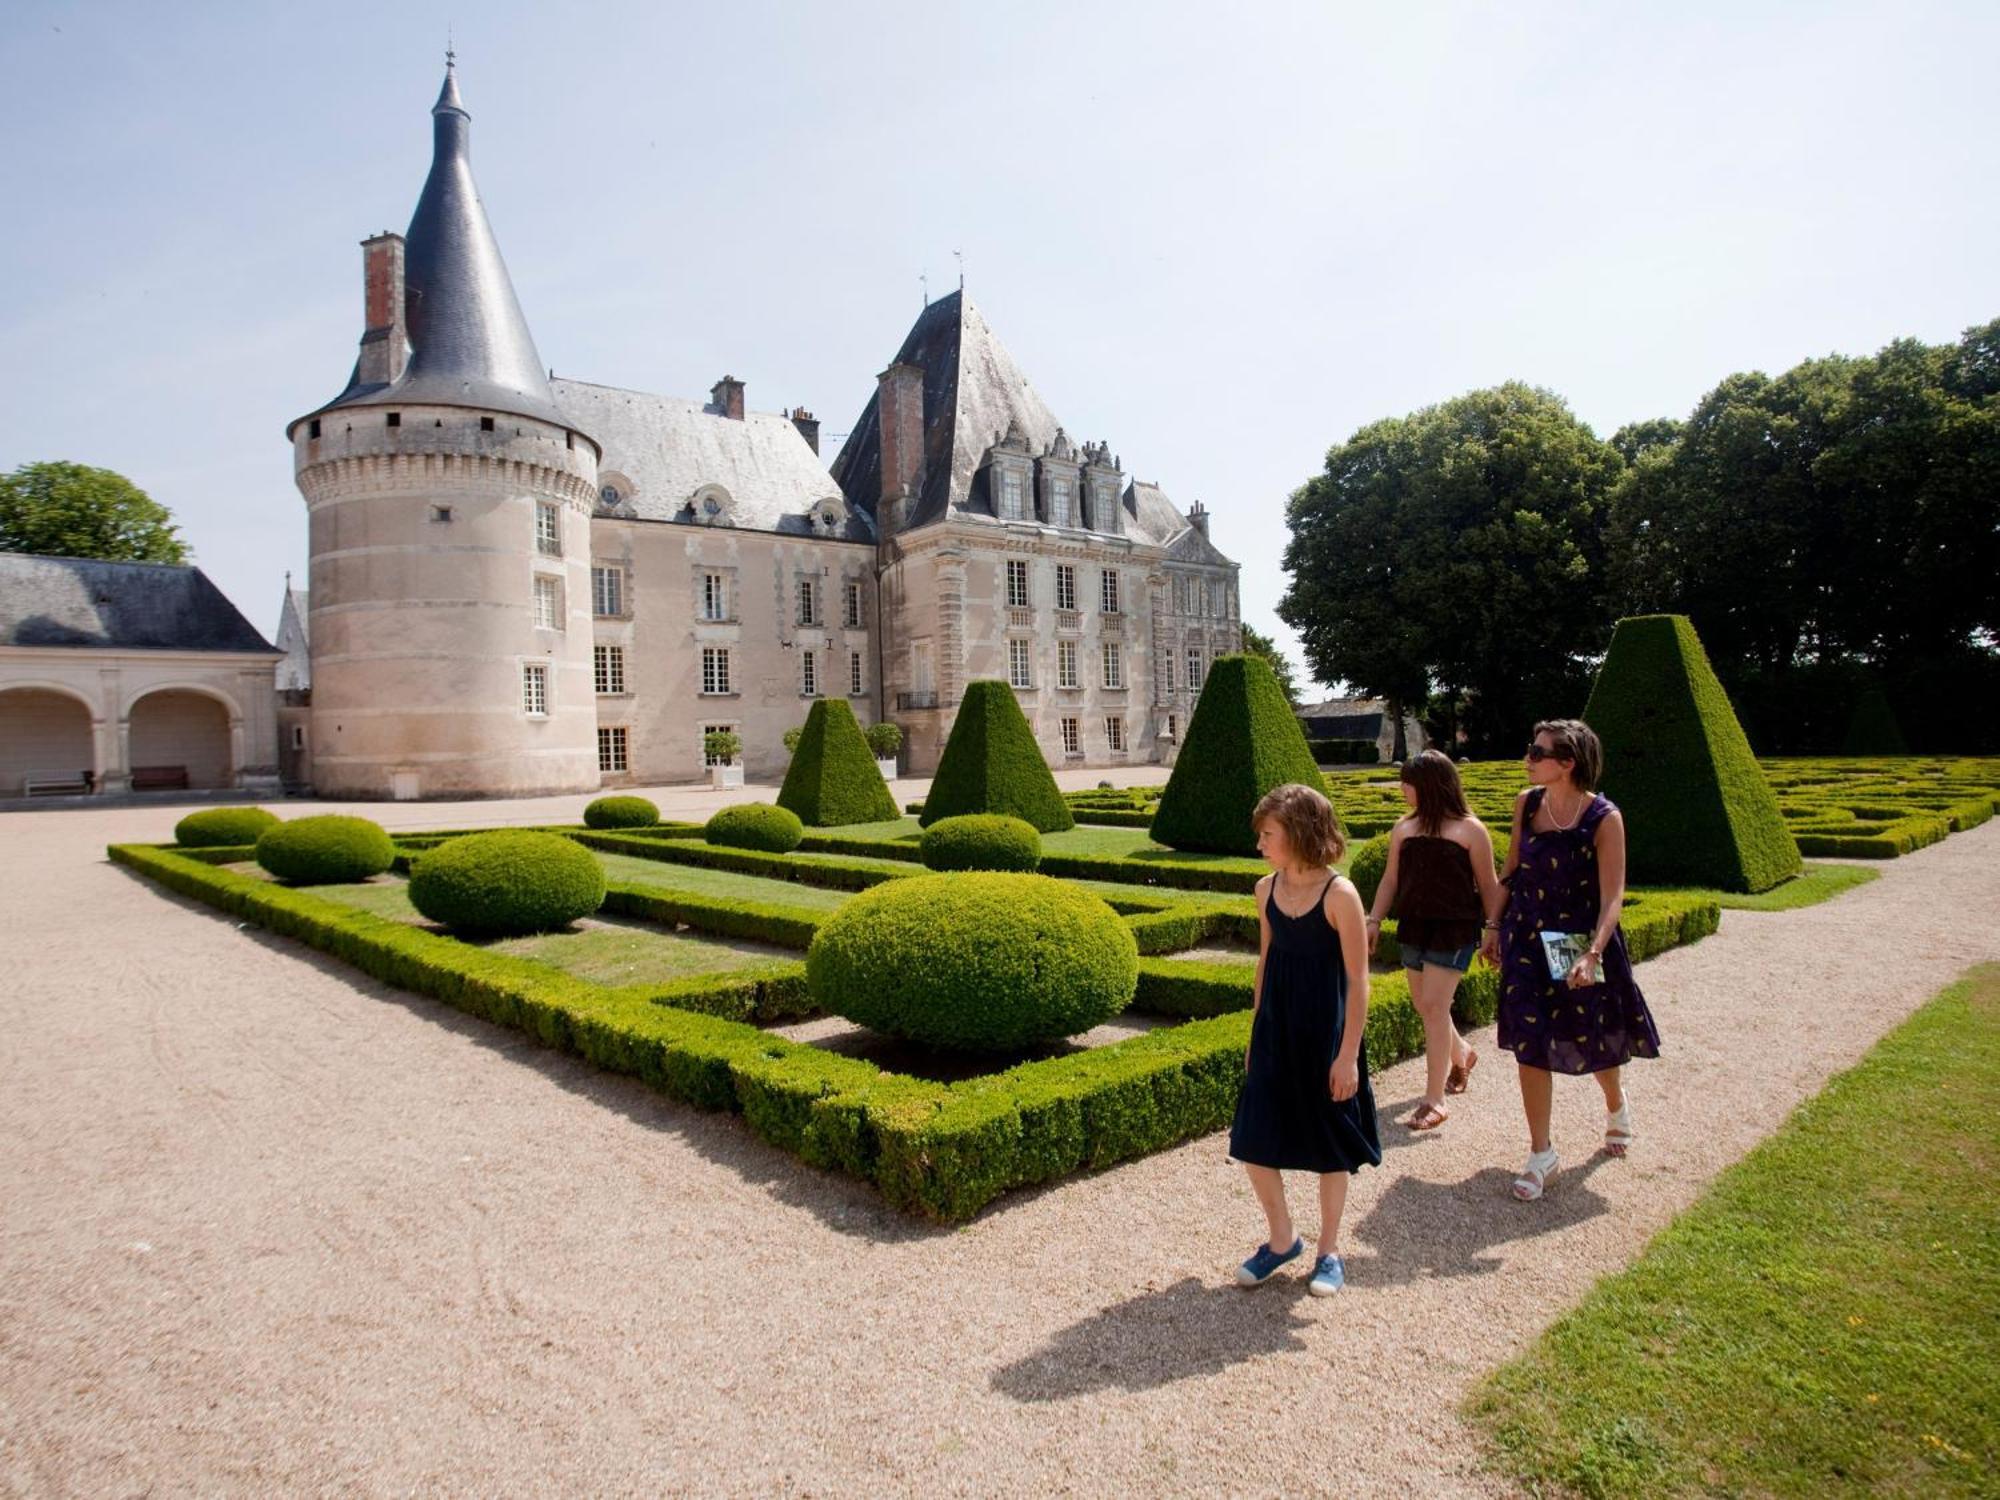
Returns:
<point x="1190" y="1328"/>
<point x="843" y="1204"/>
<point x="1420" y="1230"/>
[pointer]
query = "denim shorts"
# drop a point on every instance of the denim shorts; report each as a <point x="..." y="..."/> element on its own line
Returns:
<point x="1445" y="958"/>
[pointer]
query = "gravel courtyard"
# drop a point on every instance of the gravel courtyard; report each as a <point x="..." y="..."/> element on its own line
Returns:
<point x="266" y="1226"/>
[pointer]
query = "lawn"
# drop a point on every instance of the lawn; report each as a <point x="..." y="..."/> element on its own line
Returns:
<point x="1823" y="1322"/>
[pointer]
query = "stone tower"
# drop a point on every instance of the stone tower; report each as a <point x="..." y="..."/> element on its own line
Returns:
<point x="449" y="503"/>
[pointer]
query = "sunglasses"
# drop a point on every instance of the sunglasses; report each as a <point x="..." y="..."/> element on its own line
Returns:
<point x="1537" y="753"/>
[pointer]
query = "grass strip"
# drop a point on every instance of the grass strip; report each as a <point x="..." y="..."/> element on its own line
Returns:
<point x="1823" y="1322"/>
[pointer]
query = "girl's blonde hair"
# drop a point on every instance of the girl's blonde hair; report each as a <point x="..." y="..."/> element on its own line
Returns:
<point x="1311" y="826"/>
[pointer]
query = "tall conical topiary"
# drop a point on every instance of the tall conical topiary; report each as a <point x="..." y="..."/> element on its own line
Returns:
<point x="991" y="764"/>
<point x="1242" y="740"/>
<point x="1698" y="810"/>
<point x="1872" y="728"/>
<point x="833" y="777"/>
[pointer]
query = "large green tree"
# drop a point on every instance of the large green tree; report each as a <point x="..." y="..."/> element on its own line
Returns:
<point x="1458" y="549"/>
<point x="72" y="510"/>
<point x="1256" y="643"/>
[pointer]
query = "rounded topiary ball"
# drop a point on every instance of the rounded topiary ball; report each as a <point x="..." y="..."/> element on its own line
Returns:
<point x="325" y="850"/>
<point x="756" y="825"/>
<point x="223" y="827"/>
<point x="982" y="841"/>
<point x="979" y="962"/>
<point x="621" y="812"/>
<point x="505" y="882"/>
<point x="1367" y="865"/>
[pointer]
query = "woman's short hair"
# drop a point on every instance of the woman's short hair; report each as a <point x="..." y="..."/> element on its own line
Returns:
<point x="1311" y="826"/>
<point x="1579" y="742"/>
<point x="1440" y="794"/>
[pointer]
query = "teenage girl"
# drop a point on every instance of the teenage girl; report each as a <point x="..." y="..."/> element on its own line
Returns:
<point x="1566" y="875"/>
<point x="1306" y="1103"/>
<point x="1440" y="884"/>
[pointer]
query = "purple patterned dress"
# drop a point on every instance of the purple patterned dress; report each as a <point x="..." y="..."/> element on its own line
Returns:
<point x="1544" y="1022"/>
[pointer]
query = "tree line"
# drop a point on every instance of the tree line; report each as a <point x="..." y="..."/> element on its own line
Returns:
<point x="1833" y="532"/>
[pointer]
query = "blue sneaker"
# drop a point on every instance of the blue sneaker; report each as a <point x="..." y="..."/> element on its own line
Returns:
<point x="1258" y="1268"/>
<point x="1328" y="1276"/>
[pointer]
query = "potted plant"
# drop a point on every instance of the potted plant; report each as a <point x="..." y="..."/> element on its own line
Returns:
<point x="721" y="747"/>
<point x="885" y="739"/>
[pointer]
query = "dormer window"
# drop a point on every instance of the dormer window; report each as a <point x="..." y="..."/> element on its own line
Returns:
<point x="1059" y="503"/>
<point x="609" y="495"/>
<point x="1012" y="507"/>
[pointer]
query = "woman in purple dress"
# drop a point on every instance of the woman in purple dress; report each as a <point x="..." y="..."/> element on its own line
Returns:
<point x="1567" y="1006"/>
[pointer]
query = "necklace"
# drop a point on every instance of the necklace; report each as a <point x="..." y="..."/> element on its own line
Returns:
<point x="1575" y="817"/>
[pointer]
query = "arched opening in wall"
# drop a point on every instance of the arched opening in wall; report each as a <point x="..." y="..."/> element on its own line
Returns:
<point x="175" y="728"/>
<point x="44" y="736"/>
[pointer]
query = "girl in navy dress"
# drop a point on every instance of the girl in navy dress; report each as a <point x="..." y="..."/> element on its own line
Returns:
<point x="1306" y="1103"/>
<point x="1566" y="874"/>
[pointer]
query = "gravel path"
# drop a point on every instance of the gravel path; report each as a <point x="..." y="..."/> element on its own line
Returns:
<point x="265" y="1226"/>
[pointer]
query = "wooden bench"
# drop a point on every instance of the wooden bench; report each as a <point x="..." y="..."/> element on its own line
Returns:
<point x="159" y="778"/>
<point x="56" y="783"/>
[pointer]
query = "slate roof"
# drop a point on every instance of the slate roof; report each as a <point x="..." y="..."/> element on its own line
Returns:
<point x="1341" y="726"/>
<point x="973" y="391"/>
<point x="76" y="601"/>
<point x="294" y="639"/>
<point x="469" y="344"/>
<point x="669" y="447"/>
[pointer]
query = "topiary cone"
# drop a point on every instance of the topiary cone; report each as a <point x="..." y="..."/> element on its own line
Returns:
<point x="833" y="778"/>
<point x="1698" y="810"/>
<point x="991" y="764"/>
<point x="1242" y="740"/>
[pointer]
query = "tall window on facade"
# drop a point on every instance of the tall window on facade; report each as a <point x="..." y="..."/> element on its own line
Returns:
<point x="607" y="592"/>
<point x="608" y="667"/>
<point x="1065" y="586"/>
<point x="809" y="673"/>
<point x="1194" y="669"/>
<point x="1020" y="665"/>
<point x="1011" y="506"/>
<point x="854" y="680"/>
<point x="548" y="529"/>
<point x="1114" y="665"/>
<point x="1110" y="592"/>
<point x="1017" y="584"/>
<point x="1166" y="671"/>
<point x="1201" y="596"/>
<point x="714" y="596"/>
<point x="809" y="601"/>
<point x="1072" y="737"/>
<point x="851" y="615"/>
<point x="1059" y="503"/>
<point x="706" y="731"/>
<point x="1114" y="733"/>
<point x="548" y="603"/>
<point x="715" y="669"/>
<point x="1173" y="725"/>
<point x="535" y="689"/>
<point x="1066" y="674"/>
<point x="611" y="748"/>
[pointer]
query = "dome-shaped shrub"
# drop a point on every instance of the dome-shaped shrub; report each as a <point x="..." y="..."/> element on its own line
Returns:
<point x="325" y="850"/>
<point x="980" y="961"/>
<point x="508" y="881"/>
<point x="756" y="825"/>
<point x="982" y="841"/>
<point x="621" y="812"/>
<point x="223" y="827"/>
<point x="1366" y="866"/>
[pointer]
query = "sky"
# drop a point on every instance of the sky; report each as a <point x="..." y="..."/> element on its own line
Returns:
<point x="1221" y="238"/>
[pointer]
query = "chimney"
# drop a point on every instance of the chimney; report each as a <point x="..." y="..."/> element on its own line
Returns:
<point x="385" y="343"/>
<point x="1198" y="517"/>
<point x="808" y="426"/>
<point x="725" y="398"/>
<point x="900" y="411"/>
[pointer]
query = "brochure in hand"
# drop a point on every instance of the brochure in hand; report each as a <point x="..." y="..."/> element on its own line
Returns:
<point x="1563" y="949"/>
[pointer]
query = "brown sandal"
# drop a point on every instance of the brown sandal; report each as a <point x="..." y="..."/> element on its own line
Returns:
<point x="1456" y="1080"/>
<point x="1428" y="1117"/>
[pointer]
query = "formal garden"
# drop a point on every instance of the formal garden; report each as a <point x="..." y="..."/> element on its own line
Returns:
<point x="1005" y="985"/>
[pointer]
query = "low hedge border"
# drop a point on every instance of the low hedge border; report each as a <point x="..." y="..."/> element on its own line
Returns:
<point x="827" y="874"/>
<point x="943" y="1151"/>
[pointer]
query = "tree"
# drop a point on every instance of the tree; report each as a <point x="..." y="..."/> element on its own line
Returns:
<point x="1459" y="548"/>
<point x="70" y="510"/>
<point x="1256" y="643"/>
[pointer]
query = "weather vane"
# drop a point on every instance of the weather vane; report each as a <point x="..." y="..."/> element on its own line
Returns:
<point x="960" y="254"/>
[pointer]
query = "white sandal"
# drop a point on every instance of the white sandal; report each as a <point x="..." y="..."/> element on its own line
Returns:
<point x="1535" y="1175"/>
<point x="1618" y="1132"/>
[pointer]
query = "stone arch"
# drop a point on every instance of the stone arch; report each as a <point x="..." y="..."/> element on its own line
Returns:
<point x="47" y="729"/>
<point x="190" y="725"/>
